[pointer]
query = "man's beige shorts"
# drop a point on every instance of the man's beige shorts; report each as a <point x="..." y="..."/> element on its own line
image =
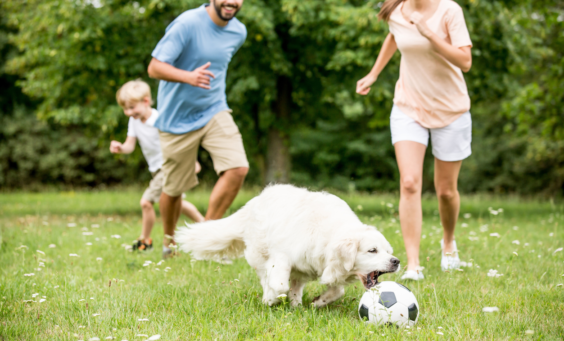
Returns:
<point x="153" y="192"/>
<point x="220" y="137"/>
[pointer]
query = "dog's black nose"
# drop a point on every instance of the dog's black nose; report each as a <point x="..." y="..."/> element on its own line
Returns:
<point x="395" y="261"/>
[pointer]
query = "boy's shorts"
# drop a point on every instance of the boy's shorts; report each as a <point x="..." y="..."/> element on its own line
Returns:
<point x="153" y="192"/>
<point x="450" y="143"/>
<point x="220" y="137"/>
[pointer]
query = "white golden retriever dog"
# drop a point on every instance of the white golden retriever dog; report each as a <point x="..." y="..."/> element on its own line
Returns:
<point x="291" y="236"/>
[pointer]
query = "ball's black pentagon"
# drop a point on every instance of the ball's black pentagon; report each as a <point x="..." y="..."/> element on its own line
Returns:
<point x="413" y="312"/>
<point x="403" y="286"/>
<point x="363" y="312"/>
<point x="387" y="299"/>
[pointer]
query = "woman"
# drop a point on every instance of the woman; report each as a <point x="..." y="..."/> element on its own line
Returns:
<point x="431" y="98"/>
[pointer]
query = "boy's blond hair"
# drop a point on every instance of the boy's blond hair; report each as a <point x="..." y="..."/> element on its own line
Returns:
<point x="133" y="92"/>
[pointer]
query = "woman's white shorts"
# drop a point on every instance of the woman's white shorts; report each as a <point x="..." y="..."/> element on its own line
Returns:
<point x="450" y="143"/>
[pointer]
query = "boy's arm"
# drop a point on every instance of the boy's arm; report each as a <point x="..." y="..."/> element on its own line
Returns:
<point x="127" y="147"/>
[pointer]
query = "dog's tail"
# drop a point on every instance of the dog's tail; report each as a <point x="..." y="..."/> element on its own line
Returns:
<point x="215" y="240"/>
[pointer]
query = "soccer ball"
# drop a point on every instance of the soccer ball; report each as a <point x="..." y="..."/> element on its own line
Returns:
<point x="389" y="303"/>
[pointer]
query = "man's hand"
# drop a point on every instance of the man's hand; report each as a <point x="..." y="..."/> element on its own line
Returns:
<point x="201" y="77"/>
<point x="115" y="147"/>
<point x="363" y="85"/>
<point x="417" y="19"/>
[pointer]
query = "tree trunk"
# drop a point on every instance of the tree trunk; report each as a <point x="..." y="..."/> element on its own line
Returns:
<point x="278" y="161"/>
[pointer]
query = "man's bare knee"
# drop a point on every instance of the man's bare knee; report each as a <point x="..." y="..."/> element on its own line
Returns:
<point x="239" y="173"/>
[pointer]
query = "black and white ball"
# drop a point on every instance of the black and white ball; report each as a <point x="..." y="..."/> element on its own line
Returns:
<point x="389" y="303"/>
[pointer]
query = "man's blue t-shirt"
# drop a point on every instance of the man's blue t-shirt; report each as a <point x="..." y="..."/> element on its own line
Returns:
<point x="191" y="41"/>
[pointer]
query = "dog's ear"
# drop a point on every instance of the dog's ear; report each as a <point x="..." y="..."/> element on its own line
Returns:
<point x="346" y="251"/>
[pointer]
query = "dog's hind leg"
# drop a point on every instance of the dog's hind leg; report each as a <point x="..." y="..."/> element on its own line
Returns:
<point x="332" y="294"/>
<point x="296" y="292"/>
<point x="278" y="277"/>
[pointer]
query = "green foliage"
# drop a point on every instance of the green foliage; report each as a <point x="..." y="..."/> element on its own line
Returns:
<point x="33" y="152"/>
<point x="73" y="56"/>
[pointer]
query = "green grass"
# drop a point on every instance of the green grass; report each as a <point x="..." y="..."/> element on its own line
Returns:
<point x="208" y="301"/>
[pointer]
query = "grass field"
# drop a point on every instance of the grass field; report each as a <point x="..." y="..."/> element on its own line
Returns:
<point x="86" y="285"/>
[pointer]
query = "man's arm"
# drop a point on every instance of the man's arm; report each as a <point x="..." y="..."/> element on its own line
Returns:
<point x="164" y="71"/>
<point x="127" y="147"/>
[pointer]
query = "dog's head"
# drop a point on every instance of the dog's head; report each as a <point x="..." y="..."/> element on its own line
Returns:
<point x="366" y="254"/>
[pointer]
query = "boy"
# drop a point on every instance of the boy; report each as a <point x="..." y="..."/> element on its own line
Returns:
<point x="135" y="99"/>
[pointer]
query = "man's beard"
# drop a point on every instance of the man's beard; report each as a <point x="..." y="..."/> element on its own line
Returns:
<point x="218" y="11"/>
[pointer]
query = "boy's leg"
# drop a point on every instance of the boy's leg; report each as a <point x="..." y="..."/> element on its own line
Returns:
<point x="225" y="145"/>
<point x="189" y="210"/>
<point x="148" y="214"/>
<point x="150" y="196"/>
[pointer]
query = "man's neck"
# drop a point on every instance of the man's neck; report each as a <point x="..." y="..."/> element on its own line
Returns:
<point x="214" y="17"/>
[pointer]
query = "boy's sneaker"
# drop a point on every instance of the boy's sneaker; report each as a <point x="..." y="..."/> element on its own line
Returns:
<point x="450" y="261"/>
<point x="143" y="244"/>
<point x="413" y="275"/>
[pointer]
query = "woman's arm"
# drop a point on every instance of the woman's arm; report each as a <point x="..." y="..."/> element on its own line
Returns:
<point x="388" y="49"/>
<point x="459" y="56"/>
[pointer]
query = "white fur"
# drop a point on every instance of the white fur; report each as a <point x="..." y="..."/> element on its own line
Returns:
<point x="291" y="236"/>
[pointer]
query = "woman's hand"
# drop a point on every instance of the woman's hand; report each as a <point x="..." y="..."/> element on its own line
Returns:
<point x="417" y="19"/>
<point x="363" y="85"/>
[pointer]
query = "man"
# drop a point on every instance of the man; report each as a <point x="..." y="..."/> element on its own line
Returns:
<point x="191" y="61"/>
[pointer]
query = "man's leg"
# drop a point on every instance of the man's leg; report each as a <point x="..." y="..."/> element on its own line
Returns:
<point x="225" y="145"/>
<point x="170" y="211"/>
<point x="225" y="191"/>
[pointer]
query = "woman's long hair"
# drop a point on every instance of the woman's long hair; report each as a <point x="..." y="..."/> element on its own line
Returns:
<point x="387" y="8"/>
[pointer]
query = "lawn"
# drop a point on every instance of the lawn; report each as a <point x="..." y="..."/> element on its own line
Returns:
<point x="66" y="275"/>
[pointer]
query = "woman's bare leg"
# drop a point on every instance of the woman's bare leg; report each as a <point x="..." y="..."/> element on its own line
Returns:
<point x="410" y="157"/>
<point x="446" y="186"/>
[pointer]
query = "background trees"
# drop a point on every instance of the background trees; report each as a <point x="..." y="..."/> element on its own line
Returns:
<point x="292" y="86"/>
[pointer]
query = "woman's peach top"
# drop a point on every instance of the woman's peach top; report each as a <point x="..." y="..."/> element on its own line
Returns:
<point x="430" y="89"/>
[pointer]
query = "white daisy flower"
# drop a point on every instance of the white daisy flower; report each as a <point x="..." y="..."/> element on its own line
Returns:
<point x="116" y="236"/>
<point x="467" y="215"/>
<point x="71" y="225"/>
<point x="95" y="226"/>
<point x="558" y="250"/>
<point x="96" y="314"/>
<point x="42" y="300"/>
<point x="29" y="275"/>
<point x="490" y="309"/>
<point x="516" y="242"/>
<point x="495" y="234"/>
<point x="87" y="233"/>
<point x="73" y="255"/>
<point x="41" y="252"/>
<point x="99" y="259"/>
<point x="154" y="337"/>
<point x="52" y="246"/>
<point x="515" y="253"/>
<point x="529" y="332"/>
<point x="143" y="320"/>
<point x="55" y="287"/>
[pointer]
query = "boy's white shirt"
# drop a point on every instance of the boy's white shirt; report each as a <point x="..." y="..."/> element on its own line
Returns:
<point x="148" y="137"/>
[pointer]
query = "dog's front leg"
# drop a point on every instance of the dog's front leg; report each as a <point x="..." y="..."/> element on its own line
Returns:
<point x="296" y="292"/>
<point x="332" y="294"/>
